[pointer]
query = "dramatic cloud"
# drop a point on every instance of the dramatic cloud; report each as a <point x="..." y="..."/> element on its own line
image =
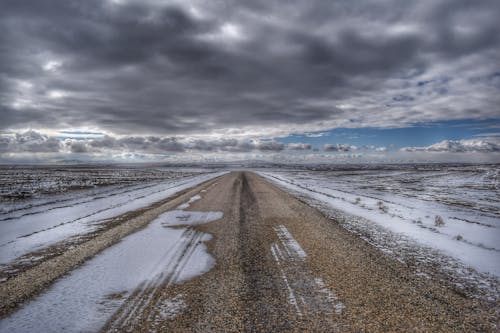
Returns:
<point x="243" y="68"/>
<point x="459" y="146"/>
<point x="32" y="146"/>
<point x="27" y="142"/>
<point x="32" y="141"/>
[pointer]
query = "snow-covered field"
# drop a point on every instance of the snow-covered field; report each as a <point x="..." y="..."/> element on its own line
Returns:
<point x="454" y="210"/>
<point x="84" y="300"/>
<point x="35" y="182"/>
<point x="35" y="223"/>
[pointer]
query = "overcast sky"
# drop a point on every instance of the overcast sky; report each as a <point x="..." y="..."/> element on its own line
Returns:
<point x="340" y="81"/>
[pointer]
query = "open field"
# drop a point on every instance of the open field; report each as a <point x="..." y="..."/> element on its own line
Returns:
<point x="273" y="250"/>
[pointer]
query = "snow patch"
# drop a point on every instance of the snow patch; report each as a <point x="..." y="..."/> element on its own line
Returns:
<point x="292" y="299"/>
<point x="289" y="243"/>
<point x="184" y="218"/>
<point x="190" y="201"/>
<point x="158" y="255"/>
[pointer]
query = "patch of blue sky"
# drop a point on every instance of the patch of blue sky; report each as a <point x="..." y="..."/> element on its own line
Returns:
<point x="78" y="138"/>
<point x="79" y="135"/>
<point x="422" y="134"/>
<point x="81" y="132"/>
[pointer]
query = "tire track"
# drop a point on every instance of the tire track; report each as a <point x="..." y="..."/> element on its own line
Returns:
<point x="143" y="304"/>
<point x="264" y="304"/>
<point x="306" y="293"/>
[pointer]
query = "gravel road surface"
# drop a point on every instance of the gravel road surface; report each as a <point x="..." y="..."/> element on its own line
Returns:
<point x="281" y="266"/>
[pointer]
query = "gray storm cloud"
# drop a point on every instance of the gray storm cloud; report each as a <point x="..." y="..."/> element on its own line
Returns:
<point x="266" y="67"/>
<point x="339" y="147"/>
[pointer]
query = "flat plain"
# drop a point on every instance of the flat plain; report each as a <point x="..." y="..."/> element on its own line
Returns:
<point x="262" y="250"/>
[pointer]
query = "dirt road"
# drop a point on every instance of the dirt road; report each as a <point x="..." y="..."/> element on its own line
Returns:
<point x="281" y="266"/>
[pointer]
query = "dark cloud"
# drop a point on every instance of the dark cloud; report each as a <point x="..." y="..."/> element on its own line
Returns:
<point x="144" y="68"/>
<point x="269" y="146"/>
<point x="77" y="147"/>
<point x="168" y="144"/>
<point x="136" y="143"/>
<point x="339" y="147"/>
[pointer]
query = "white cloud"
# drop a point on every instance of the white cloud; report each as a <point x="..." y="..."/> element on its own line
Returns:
<point x="299" y="146"/>
<point x="315" y="135"/>
<point x="227" y="33"/>
<point x="459" y="146"/>
<point x="52" y="66"/>
<point x="56" y="94"/>
<point x="230" y="30"/>
<point x="25" y="85"/>
<point x="29" y="141"/>
<point x="33" y="141"/>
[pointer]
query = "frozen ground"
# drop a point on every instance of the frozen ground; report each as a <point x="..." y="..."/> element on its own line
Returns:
<point x="32" y="224"/>
<point x="280" y="264"/>
<point x="122" y="276"/>
<point x="455" y="210"/>
<point x="35" y="182"/>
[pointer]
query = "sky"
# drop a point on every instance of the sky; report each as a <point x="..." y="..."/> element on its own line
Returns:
<point x="352" y="81"/>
